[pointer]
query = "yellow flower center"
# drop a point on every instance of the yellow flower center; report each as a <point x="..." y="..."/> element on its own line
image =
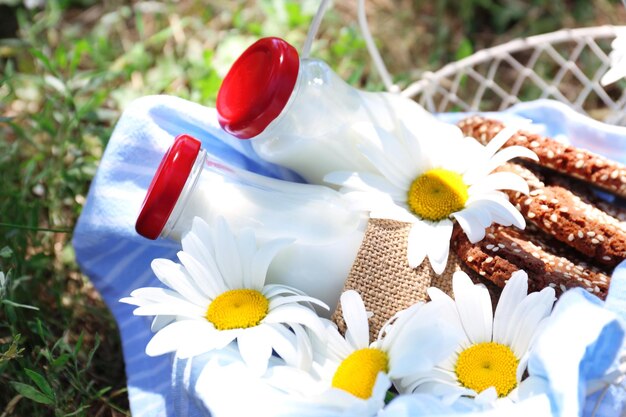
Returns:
<point x="437" y="193"/>
<point x="237" y="309"/>
<point x="488" y="364"/>
<point x="357" y="373"/>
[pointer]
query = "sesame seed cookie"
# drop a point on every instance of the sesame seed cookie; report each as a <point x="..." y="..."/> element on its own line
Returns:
<point x="558" y="212"/>
<point x="505" y="250"/>
<point x="565" y="159"/>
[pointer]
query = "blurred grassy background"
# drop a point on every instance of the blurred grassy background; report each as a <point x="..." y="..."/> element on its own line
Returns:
<point x="68" y="68"/>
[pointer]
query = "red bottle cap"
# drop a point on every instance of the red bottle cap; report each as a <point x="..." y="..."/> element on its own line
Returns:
<point x="257" y="87"/>
<point x="166" y="186"/>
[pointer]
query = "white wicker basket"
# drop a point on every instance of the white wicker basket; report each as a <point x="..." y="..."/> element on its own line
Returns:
<point x="566" y="66"/>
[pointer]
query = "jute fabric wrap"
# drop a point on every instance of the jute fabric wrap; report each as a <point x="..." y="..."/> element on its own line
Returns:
<point x="382" y="276"/>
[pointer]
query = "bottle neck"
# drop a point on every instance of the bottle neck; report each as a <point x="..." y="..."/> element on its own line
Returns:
<point x="185" y="194"/>
<point x="276" y="123"/>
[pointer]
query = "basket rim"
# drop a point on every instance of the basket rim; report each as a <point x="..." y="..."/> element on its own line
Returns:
<point x="509" y="47"/>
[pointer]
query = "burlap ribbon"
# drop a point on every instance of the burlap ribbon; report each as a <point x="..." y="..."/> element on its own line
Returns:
<point x="383" y="278"/>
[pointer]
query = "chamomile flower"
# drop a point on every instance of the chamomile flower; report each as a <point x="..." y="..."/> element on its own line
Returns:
<point x="431" y="177"/>
<point x="492" y="355"/>
<point x="363" y="370"/>
<point x="217" y="294"/>
<point x="617" y="56"/>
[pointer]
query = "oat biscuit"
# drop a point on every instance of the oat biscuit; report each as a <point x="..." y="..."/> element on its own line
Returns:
<point x="566" y="159"/>
<point x="558" y="212"/>
<point x="505" y="250"/>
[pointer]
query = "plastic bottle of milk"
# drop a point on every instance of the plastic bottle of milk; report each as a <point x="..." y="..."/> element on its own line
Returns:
<point x="301" y="115"/>
<point x="326" y="233"/>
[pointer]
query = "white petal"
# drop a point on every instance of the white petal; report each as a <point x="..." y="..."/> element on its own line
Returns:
<point x="480" y="170"/>
<point x="474" y="305"/>
<point x="293" y="299"/>
<point x="512" y="295"/>
<point x="246" y="244"/>
<point x="355" y="316"/>
<point x="177" y="334"/>
<point x="418" y="350"/>
<point x="336" y="344"/>
<point x="176" y="277"/>
<point x="500" y="209"/>
<point x="362" y="181"/>
<point x="470" y="224"/>
<point x="148" y="295"/>
<point x="499" y="181"/>
<point x="529" y="322"/>
<point x="303" y="347"/>
<point x="433" y="377"/>
<point x="172" y="309"/>
<point x="499" y="140"/>
<point x="255" y="349"/>
<point x="293" y="313"/>
<point x="389" y="165"/>
<point x="368" y="201"/>
<point x="392" y="210"/>
<point x="197" y="248"/>
<point x="208" y="285"/>
<point x="262" y="259"/>
<point x="272" y="290"/>
<point x="160" y="322"/>
<point x="416" y="245"/>
<point x="227" y="254"/>
<point x="613" y="74"/>
<point x="487" y="396"/>
<point x="449" y="392"/>
<point x="439" y="246"/>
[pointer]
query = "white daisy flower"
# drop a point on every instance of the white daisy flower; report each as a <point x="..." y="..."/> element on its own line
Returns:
<point x="492" y="352"/>
<point x="217" y="294"/>
<point x="405" y="346"/>
<point x="617" y="56"/>
<point x="430" y="180"/>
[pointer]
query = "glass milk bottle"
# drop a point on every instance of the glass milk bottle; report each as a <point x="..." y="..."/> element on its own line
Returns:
<point x="301" y="115"/>
<point x="326" y="233"/>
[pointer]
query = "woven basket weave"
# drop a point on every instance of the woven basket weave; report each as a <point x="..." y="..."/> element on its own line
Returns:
<point x="566" y="66"/>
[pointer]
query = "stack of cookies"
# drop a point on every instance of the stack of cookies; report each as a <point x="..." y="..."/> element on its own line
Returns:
<point x="573" y="238"/>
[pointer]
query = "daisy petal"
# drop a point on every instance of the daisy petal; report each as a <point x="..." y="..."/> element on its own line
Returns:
<point x="474" y="305"/>
<point x="439" y="245"/>
<point x="294" y="313"/>
<point x="261" y="261"/>
<point x="246" y="243"/>
<point x="184" y="309"/>
<point x="296" y="299"/>
<point x="255" y="349"/>
<point x="227" y="255"/>
<point x="499" y="140"/>
<point x="360" y="181"/>
<point x="171" y="337"/>
<point x="177" y="278"/>
<point x="207" y="287"/>
<point x="355" y="316"/>
<point x="529" y="322"/>
<point x="499" y="181"/>
<point x="471" y="226"/>
<point x="416" y="245"/>
<point x="514" y="292"/>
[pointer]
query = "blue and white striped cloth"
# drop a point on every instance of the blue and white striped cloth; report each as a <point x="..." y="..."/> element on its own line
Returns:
<point x="108" y="249"/>
<point x="117" y="260"/>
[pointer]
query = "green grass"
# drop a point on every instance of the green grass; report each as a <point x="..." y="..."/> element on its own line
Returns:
<point x="65" y="78"/>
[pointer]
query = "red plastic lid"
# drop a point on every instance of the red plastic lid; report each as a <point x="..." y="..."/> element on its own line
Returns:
<point x="257" y="87"/>
<point x="166" y="186"/>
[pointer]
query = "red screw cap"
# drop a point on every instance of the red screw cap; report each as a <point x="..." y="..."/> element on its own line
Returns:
<point x="166" y="186"/>
<point x="257" y="87"/>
